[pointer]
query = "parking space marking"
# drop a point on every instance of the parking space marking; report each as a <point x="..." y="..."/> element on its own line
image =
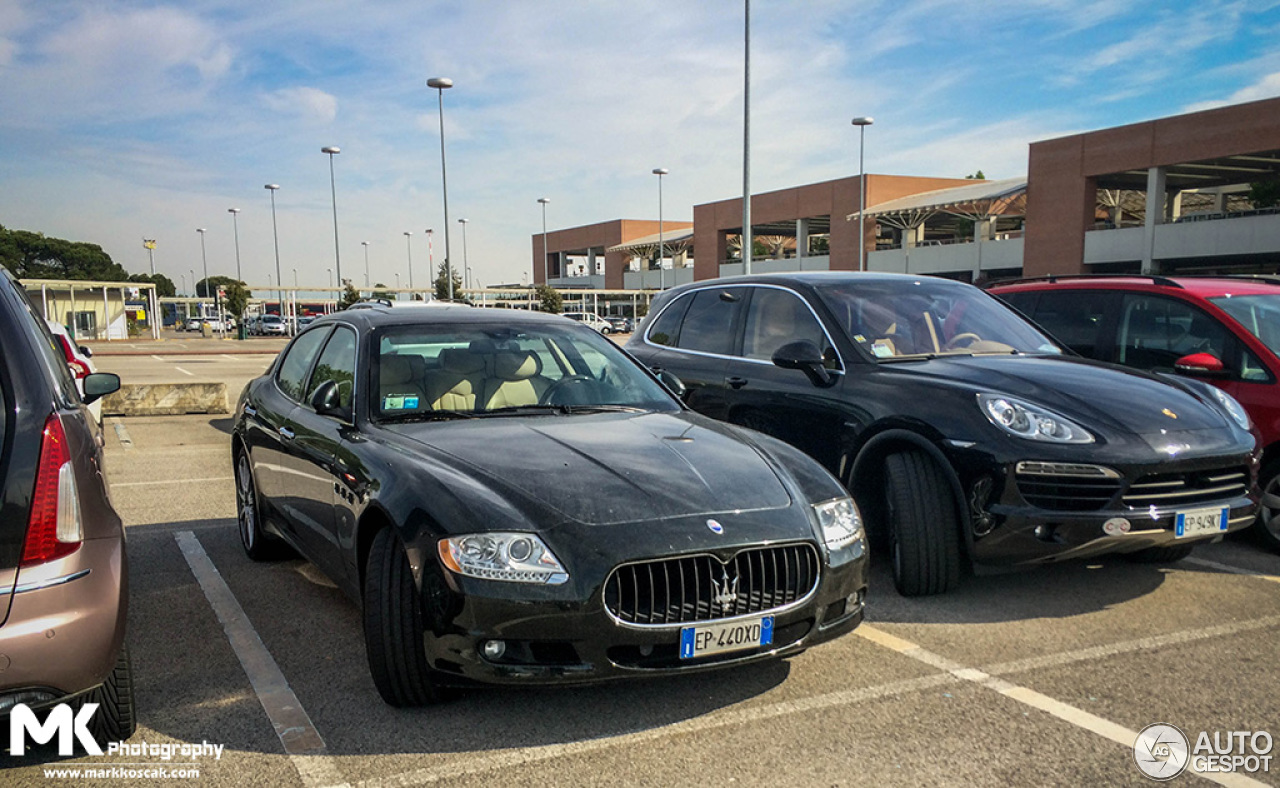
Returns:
<point x="173" y="481"/>
<point x="299" y="737"/>
<point x="1235" y="570"/>
<point x="470" y="765"/>
<point x="122" y="435"/>
<point x="183" y="371"/>
<point x="1029" y="697"/>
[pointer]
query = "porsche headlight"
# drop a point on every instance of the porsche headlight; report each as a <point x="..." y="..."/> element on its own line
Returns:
<point x="1233" y="408"/>
<point x="1032" y="422"/>
<point x="510" y="557"/>
<point x="840" y="522"/>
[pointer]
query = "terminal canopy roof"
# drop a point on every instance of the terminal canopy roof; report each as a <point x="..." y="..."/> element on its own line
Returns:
<point x="978" y="200"/>
<point x="671" y="239"/>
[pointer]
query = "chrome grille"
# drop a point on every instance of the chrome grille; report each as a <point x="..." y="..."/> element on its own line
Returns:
<point x="1182" y="489"/>
<point x="1064" y="493"/>
<point x="703" y="588"/>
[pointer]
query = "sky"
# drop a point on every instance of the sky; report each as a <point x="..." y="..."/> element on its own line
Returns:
<point x="123" y="120"/>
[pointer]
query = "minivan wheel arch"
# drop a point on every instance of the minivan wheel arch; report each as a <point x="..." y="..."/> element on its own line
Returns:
<point x="866" y="474"/>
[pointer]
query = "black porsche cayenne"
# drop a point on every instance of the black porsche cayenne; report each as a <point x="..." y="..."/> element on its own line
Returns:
<point x="512" y="499"/>
<point x="963" y="431"/>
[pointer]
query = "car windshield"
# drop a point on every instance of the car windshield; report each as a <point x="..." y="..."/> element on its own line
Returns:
<point x="1259" y="314"/>
<point x="458" y="371"/>
<point x="271" y="318"/>
<point x="905" y="318"/>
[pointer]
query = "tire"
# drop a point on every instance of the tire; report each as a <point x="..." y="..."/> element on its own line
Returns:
<point x="1267" y="528"/>
<point x="924" y="531"/>
<point x="116" y="718"/>
<point x="1160" y="555"/>
<point x="257" y="543"/>
<point x="393" y="628"/>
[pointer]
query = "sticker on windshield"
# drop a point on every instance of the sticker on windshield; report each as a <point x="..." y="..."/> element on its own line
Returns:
<point x="400" y="402"/>
<point x="881" y="350"/>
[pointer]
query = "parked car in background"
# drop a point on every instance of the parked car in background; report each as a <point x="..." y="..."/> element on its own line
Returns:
<point x="194" y="323"/>
<point x="272" y="325"/>
<point x="79" y="362"/>
<point x="591" y="319"/>
<point x="453" y="470"/>
<point x="1222" y="330"/>
<point x="621" y="325"/>
<point x="251" y="324"/>
<point x="63" y="570"/>
<point x="963" y="432"/>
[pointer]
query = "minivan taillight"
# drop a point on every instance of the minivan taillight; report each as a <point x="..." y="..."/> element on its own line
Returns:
<point x="78" y="368"/>
<point x="55" y="529"/>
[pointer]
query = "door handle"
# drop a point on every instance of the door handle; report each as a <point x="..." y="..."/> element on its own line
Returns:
<point x="249" y="410"/>
<point x="736" y="382"/>
<point x="285" y="433"/>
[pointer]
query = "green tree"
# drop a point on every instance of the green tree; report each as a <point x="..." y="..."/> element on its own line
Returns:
<point x="205" y="288"/>
<point x="549" y="299"/>
<point x="349" y="296"/>
<point x="237" y="298"/>
<point x="37" y="256"/>
<point x="1264" y="194"/>
<point x="977" y="176"/>
<point x="165" y="287"/>
<point x="442" y="283"/>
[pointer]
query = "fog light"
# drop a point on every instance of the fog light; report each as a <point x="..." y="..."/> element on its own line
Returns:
<point x="646" y="650"/>
<point x="494" y="649"/>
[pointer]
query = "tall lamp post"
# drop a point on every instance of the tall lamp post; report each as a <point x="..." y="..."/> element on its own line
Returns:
<point x="408" y="243"/>
<point x="235" y="228"/>
<point x="546" y="277"/>
<point x="205" y="261"/>
<point x="333" y="190"/>
<point x="150" y="244"/>
<point x="365" y="244"/>
<point x="862" y="124"/>
<point x="462" y="222"/>
<point x="192" y="271"/>
<point x="275" y="234"/>
<point x="662" y="272"/>
<point x="748" y="240"/>
<point x="441" y="84"/>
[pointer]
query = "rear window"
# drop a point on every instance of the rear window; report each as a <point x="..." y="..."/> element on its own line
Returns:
<point x="47" y="346"/>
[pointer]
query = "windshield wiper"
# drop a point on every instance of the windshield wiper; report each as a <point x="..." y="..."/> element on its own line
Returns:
<point x="521" y="410"/>
<point x="603" y="409"/>
<point x="427" y="415"/>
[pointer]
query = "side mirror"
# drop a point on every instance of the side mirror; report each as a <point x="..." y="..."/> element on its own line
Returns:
<point x="327" y="401"/>
<point x="84" y="351"/>
<point x="806" y="357"/>
<point x="1201" y="365"/>
<point x="98" y="385"/>
<point x="675" y="384"/>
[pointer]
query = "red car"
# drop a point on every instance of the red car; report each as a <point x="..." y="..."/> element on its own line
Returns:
<point x="1225" y="330"/>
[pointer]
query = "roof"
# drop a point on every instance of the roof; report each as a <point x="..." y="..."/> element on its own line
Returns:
<point x="1203" y="286"/>
<point x="979" y="198"/>
<point x="670" y="238"/>
<point x="374" y="316"/>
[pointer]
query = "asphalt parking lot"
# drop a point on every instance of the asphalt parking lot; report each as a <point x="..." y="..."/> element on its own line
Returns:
<point x="1036" y="677"/>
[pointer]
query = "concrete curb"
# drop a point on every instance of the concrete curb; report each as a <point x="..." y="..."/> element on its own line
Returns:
<point x="166" y="399"/>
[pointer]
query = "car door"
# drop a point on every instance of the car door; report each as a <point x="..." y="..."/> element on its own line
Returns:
<point x="1154" y="331"/>
<point x="701" y="345"/>
<point x="314" y="448"/>
<point x="274" y="465"/>
<point x="781" y="402"/>
<point x="1083" y="320"/>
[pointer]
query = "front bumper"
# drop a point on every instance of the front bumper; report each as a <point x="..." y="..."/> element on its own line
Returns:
<point x="552" y="639"/>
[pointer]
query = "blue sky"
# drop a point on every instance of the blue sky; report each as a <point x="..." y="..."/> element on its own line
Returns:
<point x="124" y="120"/>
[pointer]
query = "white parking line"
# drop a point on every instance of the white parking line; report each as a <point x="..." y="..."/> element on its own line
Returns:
<point x="1235" y="570"/>
<point x="183" y="371"/>
<point x="122" y="435"/>
<point x="173" y="481"/>
<point x="1063" y="711"/>
<point x="297" y="734"/>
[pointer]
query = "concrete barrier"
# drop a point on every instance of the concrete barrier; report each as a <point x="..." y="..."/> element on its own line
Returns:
<point x="166" y="399"/>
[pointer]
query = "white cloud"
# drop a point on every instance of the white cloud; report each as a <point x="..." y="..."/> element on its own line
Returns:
<point x="1265" y="88"/>
<point x="310" y="104"/>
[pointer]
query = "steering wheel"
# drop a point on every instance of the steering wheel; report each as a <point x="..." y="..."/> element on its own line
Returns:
<point x="562" y="384"/>
<point x="962" y="340"/>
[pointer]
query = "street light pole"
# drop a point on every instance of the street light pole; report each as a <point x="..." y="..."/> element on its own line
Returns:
<point x="205" y="261"/>
<point x="862" y="124"/>
<point x="662" y="272"/>
<point x="546" y="278"/>
<point x="365" y="244"/>
<point x="150" y="244"/>
<point x="748" y="241"/>
<point x="333" y="189"/>
<point x="462" y="222"/>
<point x="408" y="241"/>
<point x="235" y="228"/>
<point x="275" y="234"/>
<point x="441" y="84"/>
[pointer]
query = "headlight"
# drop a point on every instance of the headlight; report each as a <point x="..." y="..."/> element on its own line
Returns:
<point x="840" y="522"/>
<point x="1031" y="421"/>
<point x="511" y="557"/>
<point x="1233" y="407"/>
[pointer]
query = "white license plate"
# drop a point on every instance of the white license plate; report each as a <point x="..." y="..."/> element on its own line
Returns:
<point x="1198" y="522"/>
<point x="717" y="638"/>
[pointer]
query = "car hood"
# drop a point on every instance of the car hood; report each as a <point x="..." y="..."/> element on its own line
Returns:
<point x="609" y="468"/>
<point x="1088" y="391"/>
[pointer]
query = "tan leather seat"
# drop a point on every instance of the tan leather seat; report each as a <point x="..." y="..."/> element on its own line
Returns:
<point x="458" y="383"/>
<point x="517" y="380"/>
<point x="400" y="384"/>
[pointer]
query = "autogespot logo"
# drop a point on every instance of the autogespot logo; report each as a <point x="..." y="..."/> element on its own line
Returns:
<point x="1161" y="751"/>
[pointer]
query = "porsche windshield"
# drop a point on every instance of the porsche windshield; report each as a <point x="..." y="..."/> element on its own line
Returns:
<point x="444" y="371"/>
<point x="903" y="318"/>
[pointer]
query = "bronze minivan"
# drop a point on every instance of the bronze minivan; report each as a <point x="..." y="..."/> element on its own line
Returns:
<point x="63" y="574"/>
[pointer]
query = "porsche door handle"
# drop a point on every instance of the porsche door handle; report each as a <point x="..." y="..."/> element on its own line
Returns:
<point x="285" y="433"/>
<point x="736" y="382"/>
<point x="249" y="410"/>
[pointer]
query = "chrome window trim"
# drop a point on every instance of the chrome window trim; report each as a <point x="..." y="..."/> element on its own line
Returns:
<point x="690" y="293"/>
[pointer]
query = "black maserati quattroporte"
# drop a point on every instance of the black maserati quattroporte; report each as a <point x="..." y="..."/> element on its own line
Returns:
<point x="512" y="499"/>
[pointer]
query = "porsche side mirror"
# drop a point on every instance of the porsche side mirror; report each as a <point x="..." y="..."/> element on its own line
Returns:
<point x="1201" y="365"/>
<point x="327" y="401"/>
<point x="806" y="357"/>
<point x="675" y="384"/>
<point x="98" y="385"/>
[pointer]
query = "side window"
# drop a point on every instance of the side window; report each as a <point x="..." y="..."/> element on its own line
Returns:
<point x="776" y="317"/>
<point x="666" y="330"/>
<point x="708" y="325"/>
<point x="1024" y="302"/>
<point x="292" y="374"/>
<point x="337" y="363"/>
<point x="1074" y="317"/>
<point x="1154" y="332"/>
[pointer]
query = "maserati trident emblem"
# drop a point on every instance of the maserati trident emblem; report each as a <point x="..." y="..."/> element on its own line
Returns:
<point x="725" y="592"/>
<point x="716" y="528"/>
